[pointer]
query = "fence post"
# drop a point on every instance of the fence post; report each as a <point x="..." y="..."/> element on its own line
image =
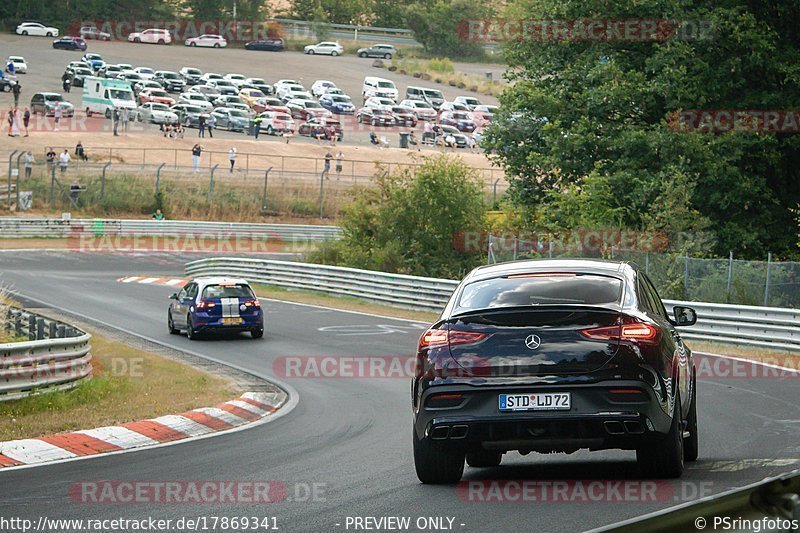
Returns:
<point x="686" y="276"/>
<point x="494" y="193"/>
<point x="10" y="164"/>
<point x="550" y="248"/>
<point x="490" y="251"/>
<point x="158" y="175"/>
<point x="103" y="180"/>
<point x="31" y="327"/>
<point x="264" y="197"/>
<point x="52" y="326"/>
<point x="19" y="158"/>
<point x="730" y="275"/>
<point x="321" y="189"/>
<point x="647" y="263"/>
<point x="53" y="183"/>
<point x="211" y="182"/>
<point x="766" y="284"/>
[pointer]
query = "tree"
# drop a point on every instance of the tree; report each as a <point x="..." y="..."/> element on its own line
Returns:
<point x="437" y="25"/>
<point x="335" y="11"/>
<point x="599" y="111"/>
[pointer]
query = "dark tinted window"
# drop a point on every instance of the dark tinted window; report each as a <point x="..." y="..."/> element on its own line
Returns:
<point x="227" y="291"/>
<point x="547" y="289"/>
<point x="657" y="303"/>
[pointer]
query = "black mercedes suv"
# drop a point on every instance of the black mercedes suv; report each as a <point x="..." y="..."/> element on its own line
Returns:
<point x="554" y="356"/>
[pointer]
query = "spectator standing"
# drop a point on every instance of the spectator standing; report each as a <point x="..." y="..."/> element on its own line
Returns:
<point x="158" y="215"/>
<point x="80" y="152"/>
<point x="327" y="168"/>
<point x="26" y="120"/>
<point x="232" y="157"/>
<point x="197" y="151"/>
<point x="29" y="161"/>
<point x="427" y="132"/>
<point x="257" y="125"/>
<point x="125" y="117"/>
<point x="66" y="82"/>
<point x="339" y="159"/>
<point x="210" y="123"/>
<point x="51" y="158"/>
<point x="201" y="126"/>
<point x="115" y="119"/>
<point x="16" y="89"/>
<point x="57" y="112"/>
<point x="17" y="121"/>
<point x="63" y="161"/>
<point x="10" y="119"/>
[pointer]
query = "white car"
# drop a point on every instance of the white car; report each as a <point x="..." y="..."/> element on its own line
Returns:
<point x="320" y="87"/>
<point x="20" y="67"/>
<point x="287" y="92"/>
<point x="275" y="122"/>
<point x="280" y="83"/>
<point x="208" y="40"/>
<point x="195" y="98"/>
<point x="236" y="79"/>
<point x="324" y="48"/>
<point x="225" y="99"/>
<point x="470" y="101"/>
<point x="145" y="72"/>
<point x="34" y="28"/>
<point x="423" y="110"/>
<point x="157" y="113"/>
<point x="376" y="102"/>
<point x="207" y="90"/>
<point x="151" y="36"/>
<point x="453" y="106"/>
<point x="208" y="76"/>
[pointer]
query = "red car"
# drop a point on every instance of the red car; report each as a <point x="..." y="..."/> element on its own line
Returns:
<point x="321" y="126"/>
<point x="158" y="96"/>
<point x="376" y="117"/>
<point x="461" y="120"/>
<point x="404" y="116"/>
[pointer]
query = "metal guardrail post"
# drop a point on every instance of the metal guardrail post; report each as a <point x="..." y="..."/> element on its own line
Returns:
<point x="686" y="275"/>
<point x="211" y="182"/>
<point x="103" y="179"/>
<point x="264" y="197"/>
<point x="730" y="276"/>
<point x="61" y="331"/>
<point x="766" y="283"/>
<point x="31" y="327"/>
<point x="321" y="191"/>
<point x="10" y="158"/>
<point x="158" y="175"/>
<point x="19" y="158"/>
<point x="53" y="184"/>
<point x="51" y="330"/>
<point x="40" y="329"/>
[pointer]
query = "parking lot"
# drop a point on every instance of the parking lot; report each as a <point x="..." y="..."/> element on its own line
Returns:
<point x="46" y="65"/>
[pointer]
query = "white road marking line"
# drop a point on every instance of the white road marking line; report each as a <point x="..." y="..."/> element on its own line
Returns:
<point x="183" y="424"/>
<point x="225" y="416"/>
<point x="248" y="407"/>
<point x="119" y="436"/>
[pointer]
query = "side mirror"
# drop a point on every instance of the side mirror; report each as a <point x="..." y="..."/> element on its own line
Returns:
<point x="173" y="296"/>
<point x="684" y="316"/>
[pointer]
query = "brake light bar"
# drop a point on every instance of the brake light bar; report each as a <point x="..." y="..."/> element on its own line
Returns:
<point x="626" y="332"/>
<point x="442" y="337"/>
<point x="252" y="303"/>
<point x="205" y="305"/>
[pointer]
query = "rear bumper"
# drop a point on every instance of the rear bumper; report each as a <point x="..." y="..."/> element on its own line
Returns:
<point x="595" y="421"/>
<point x="205" y="324"/>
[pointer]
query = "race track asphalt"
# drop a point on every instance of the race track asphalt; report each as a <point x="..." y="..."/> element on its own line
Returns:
<point x="353" y="435"/>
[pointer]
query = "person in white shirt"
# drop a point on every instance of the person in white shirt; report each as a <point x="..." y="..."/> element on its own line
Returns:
<point x="232" y="157"/>
<point x="57" y="114"/>
<point x="427" y="132"/>
<point x="63" y="161"/>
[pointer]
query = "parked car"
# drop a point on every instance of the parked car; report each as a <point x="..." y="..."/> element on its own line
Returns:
<point x="276" y="122"/>
<point x="554" y="356"/>
<point x="338" y="103"/>
<point x="441" y="131"/>
<point x="236" y="79"/>
<point x="277" y="85"/>
<point x="109" y="71"/>
<point x="37" y="29"/>
<point x="376" y="116"/>
<point x="171" y="81"/>
<point x="208" y="76"/>
<point x="6" y="85"/>
<point x="380" y="103"/>
<point x="453" y="106"/>
<point x="223" y="86"/>
<point x="151" y="36"/>
<point x="20" y="66"/>
<point x="252" y="97"/>
<point x="386" y="51"/>
<point x="207" y="40"/>
<point x="423" y="110"/>
<point x="198" y="99"/>
<point x="90" y="31"/>
<point x="463" y="121"/>
<point x="159" y="96"/>
<point x="470" y="101"/>
<point x="45" y="104"/>
<point x="70" y="43"/>
<point x="433" y="96"/>
<point x="404" y="116"/>
<point x="381" y="87"/>
<point x="145" y="72"/>
<point x="257" y="83"/>
<point x="140" y="86"/>
<point x="131" y="77"/>
<point x="484" y="114"/>
<point x="212" y="304"/>
<point x="94" y="60"/>
<point x="79" y="74"/>
<point x="157" y="113"/>
<point x="188" y="114"/>
<point x="324" y="48"/>
<point x="207" y="90"/>
<point x="306" y="109"/>
<point x="231" y="119"/>
<point x="320" y="87"/>
<point x="289" y="92"/>
<point x="274" y="104"/>
<point x="268" y="45"/>
<point x="224" y="99"/>
<point x="321" y="126"/>
<point x="191" y="75"/>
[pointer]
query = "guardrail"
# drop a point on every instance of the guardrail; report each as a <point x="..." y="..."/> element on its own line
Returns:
<point x="739" y="324"/>
<point x="12" y="227"/>
<point x="55" y="356"/>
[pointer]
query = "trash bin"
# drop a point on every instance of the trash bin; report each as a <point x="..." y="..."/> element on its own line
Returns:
<point x="488" y="75"/>
<point x="404" y="139"/>
<point x="251" y="128"/>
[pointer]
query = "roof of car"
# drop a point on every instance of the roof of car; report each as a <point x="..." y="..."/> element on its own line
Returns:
<point x="596" y="266"/>
<point x="219" y="280"/>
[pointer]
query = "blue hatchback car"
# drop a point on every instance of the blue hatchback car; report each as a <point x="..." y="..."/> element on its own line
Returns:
<point x="213" y="305"/>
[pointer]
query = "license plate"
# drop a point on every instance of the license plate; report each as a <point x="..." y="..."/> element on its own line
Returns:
<point x="537" y="401"/>
<point x="231" y="320"/>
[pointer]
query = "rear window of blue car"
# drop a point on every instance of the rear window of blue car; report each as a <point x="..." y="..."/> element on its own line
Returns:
<point x="213" y="292"/>
<point x="540" y="289"/>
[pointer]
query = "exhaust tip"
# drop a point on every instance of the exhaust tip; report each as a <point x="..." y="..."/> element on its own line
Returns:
<point x="459" y="432"/>
<point x="634" y="426"/>
<point x="440" y="432"/>
<point x="613" y="427"/>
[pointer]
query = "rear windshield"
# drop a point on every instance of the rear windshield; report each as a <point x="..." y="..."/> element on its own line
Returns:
<point x="227" y="291"/>
<point x="547" y="289"/>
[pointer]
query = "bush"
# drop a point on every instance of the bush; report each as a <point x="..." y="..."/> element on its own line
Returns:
<point x="443" y="65"/>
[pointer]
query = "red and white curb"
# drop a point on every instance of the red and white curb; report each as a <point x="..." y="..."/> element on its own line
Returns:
<point x="144" y="280"/>
<point x="251" y="407"/>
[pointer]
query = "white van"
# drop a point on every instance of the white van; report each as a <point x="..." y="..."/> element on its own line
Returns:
<point x="102" y="95"/>
<point x="433" y="96"/>
<point x="380" y="87"/>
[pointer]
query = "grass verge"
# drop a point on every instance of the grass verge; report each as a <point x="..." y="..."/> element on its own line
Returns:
<point x="782" y="358"/>
<point x="129" y="384"/>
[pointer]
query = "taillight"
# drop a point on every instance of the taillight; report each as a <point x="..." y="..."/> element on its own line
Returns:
<point x="442" y="337"/>
<point x="205" y="305"/>
<point x="252" y="303"/>
<point x="636" y="332"/>
<point x="444" y="400"/>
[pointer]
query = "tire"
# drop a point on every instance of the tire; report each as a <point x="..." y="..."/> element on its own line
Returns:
<point x="362" y="54"/>
<point x="108" y="113"/>
<point x="193" y="44"/>
<point x="269" y="130"/>
<point x="216" y="45"/>
<point x="171" y="325"/>
<point x="387" y="56"/>
<point x="374" y="122"/>
<point x="191" y="334"/>
<point x="49" y="34"/>
<point x="311" y="52"/>
<point x="436" y="465"/>
<point x="691" y="444"/>
<point x="334" y="54"/>
<point x="137" y="40"/>
<point x="484" y="459"/>
<point x="664" y="459"/>
<point x="257" y="333"/>
<point x="161" y="41"/>
<point x="24" y="32"/>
